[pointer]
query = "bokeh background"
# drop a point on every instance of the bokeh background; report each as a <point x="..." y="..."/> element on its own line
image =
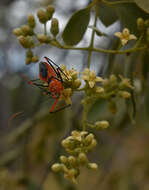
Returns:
<point x="30" y="138"/>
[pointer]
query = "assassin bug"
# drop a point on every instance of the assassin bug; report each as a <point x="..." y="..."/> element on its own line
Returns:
<point x="50" y="73"/>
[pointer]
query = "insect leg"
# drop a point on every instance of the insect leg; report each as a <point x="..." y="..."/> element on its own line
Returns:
<point x="53" y="106"/>
<point x="60" y="109"/>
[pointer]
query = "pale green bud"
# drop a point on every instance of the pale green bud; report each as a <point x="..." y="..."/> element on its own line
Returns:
<point x="26" y="42"/>
<point x="42" y="16"/>
<point x="124" y="94"/>
<point x="72" y="160"/>
<point x="65" y="143"/>
<point x="92" y="145"/>
<point x="26" y="30"/>
<point x="102" y="124"/>
<point x="63" y="159"/>
<point x="50" y="10"/>
<point x="93" y="166"/>
<point x="57" y="167"/>
<point x="82" y="158"/>
<point x="89" y="138"/>
<point x="54" y="26"/>
<point x="42" y="38"/>
<point x="77" y="83"/>
<point x="17" y="32"/>
<point x="140" y="24"/>
<point x="31" y="20"/>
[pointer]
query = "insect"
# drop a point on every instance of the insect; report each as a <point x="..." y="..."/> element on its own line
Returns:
<point x="50" y="73"/>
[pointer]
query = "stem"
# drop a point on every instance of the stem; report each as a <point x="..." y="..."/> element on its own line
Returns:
<point x="130" y="50"/>
<point x="84" y="117"/>
<point x="45" y="29"/>
<point x="117" y="2"/>
<point x="92" y="38"/>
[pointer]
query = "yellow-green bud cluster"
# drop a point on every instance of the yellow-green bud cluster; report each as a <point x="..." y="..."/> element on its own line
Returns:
<point x="26" y="41"/>
<point x="45" y="15"/>
<point x="78" y="142"/>
<point x="143" y="26"/>
<point x="77" y="145"/>
<point x="42" y="38"/>
<point x="54" y="27"/>
<point x="113" y="87"/>
<point x="70" y="78"/>
<point x="25" y="37"/>
<point x="30" y="57"/>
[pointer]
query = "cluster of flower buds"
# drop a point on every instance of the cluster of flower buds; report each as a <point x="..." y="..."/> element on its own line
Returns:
<point x="143" y="26"/>
<point x="107" y="88"/>
<point x="77" y="145"/>
<point x="70" y="78"/>
<point x="27" y="36"/>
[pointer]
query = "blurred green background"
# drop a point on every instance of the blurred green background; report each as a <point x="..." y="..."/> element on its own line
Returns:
<point x="31" y="141"/>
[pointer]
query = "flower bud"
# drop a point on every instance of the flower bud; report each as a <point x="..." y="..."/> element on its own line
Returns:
<point x="17" y="32"/>
<point x="42" y="16"/>
<point x="31" y="21"/>
<point x="88" y="139"/>
<point x="42" y="38"/>
<point x="54" y="26"/>
<point x="93" y="166"/>
<point x="101" y="124"/>
<point x="57" y="167"/>
<point x="146" y="23"/>
<point x="72" y="160"/>
<point x="65" y="143"/>
<point x="140" y="24"/>
<point x="26" y="42"/>
<point x="63" y="159"/>
<point x="92" y="145"/>
<point x="77" y="83"/>
<point x="82" y="158"/>
<point x="28" y="60"/>
<point x="35" y="59"/>
<point x="99" y="90"/>
<point x="26" y="30"/>
<point x="72" y="172"/>
<point x="124" y="94"/>
<point x="50" y="10"/>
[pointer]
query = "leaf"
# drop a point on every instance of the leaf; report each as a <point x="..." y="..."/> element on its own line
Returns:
<point x="128" y="14"/>
<point x="107" y="14"/>
<point x="76" y="27"/>
<point x="143" y="4"/>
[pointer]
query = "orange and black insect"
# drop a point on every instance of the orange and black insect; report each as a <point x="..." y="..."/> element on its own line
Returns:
<point x="50" y="73"/>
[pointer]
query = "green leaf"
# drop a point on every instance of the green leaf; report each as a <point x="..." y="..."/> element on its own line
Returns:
<point x="143" y="4"/>
<point x="128" y="14"/>
<point x="76" y="27"/>
<point x="107" y="14"/>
